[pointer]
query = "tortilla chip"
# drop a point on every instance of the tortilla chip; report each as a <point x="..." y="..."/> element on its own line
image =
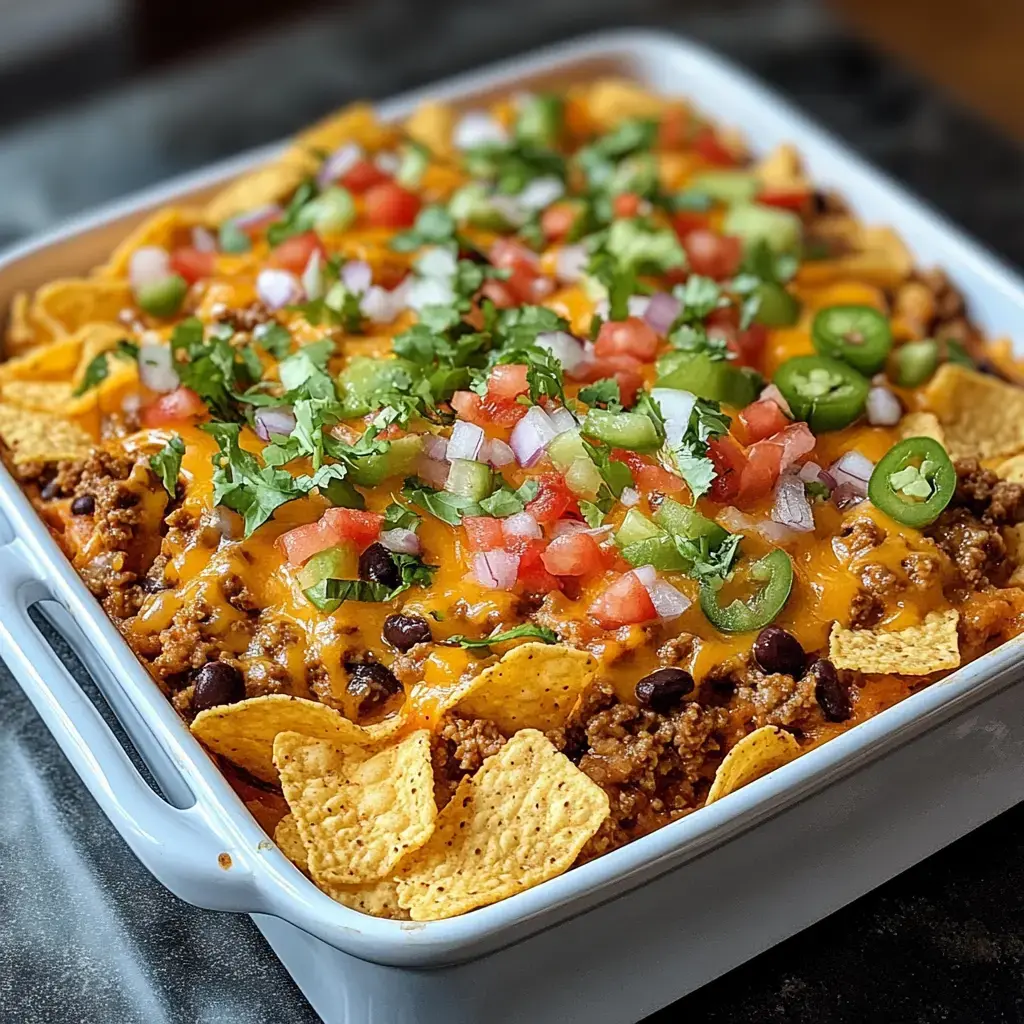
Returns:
<point x="1014" y="537"/>
<point x="43" y="396"/>
<point x="1012" y="469"/>
<point x="20" y="335"/>
<point x="359" y="813"/>
<point x="879" y="258"/>
<point x="63" y="307"/>
<point x="533" y="686"/>
<point x="757" y="754"/>
<point x="244" y="732"/>
<point x="521" y="819"/>
<point x="613" y="100"/>
<point x="270" y="184"/>
<point x="980" y="415"/>
<point x="55" y="360"/>
<point x="167" y="228"/>
<point x="41" y="437"/>
<point x="921" y="424"/>
<point x="432" y="125"/>
<point x="379" y="899"/>
<point x="914" y="651"/>
<point x="356" y="123"/>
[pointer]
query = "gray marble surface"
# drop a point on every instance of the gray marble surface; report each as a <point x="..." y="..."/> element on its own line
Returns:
<point x="86" y="935"/>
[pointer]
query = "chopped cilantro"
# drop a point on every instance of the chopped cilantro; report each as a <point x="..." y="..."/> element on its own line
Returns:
<point x="211" y="367"/>
<point x="434" y="226"/>
<point x="398" y="517"/>
<point x="98" y="368"/>
<point x="449" y="508"/>
<point x="592" y="514"/>
<point x="275" y="338"/>
<point x="505" y="502"/>
<point x="513" y="165"/>
<point x="604" y="392"/>
<point x="527" y="629"/>
<point x="690" y="455"/>
<point x="293" y="223"/>
<point x="166" y="463"/>
<point x="817" y="490"/>
<point x="643" y="248"/>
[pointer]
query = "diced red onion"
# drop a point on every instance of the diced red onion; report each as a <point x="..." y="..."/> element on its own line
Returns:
<point x="257" y="215"/>
<point x="676" y="406"/>
<point x="668" y="602"/>
<point x="531" y="435"/>
<point x="156" y="368"/>
<point x="273" y="420"/>
<point x="562" y="420"/>
<point x="791" y="508"/>
<point x="478" y="128"/>
<point x="203" y="240"/>
<point x="312" y="277"/>
<point x="571" y="263"/>
<point x="432" y="471"/>
<point x="465" y="442"/>
<point x="883" y="408"/>
<point x="773" y="394"/>
<point x="662" y="311"/>
<point x="541" y="192"/>
<point x="777" y="533"/>
<point x="497" y="453"/>
<point x="278" y="288"/>
<point x="853" y="470"/>
<point x="148" y="265"/>
<point x="402" y="542"/>
<point x="356" y="276"/>
<point x="811" y="472"/>
<point x="629" y="497"/>
<point x="522" y="524"/>
<point x="435" y="447"/>
<point x="567" y="349"/>
<point x="846" y="496"/>
<point x="342" y="160"/>
<point x="647" y="575"/>
<point x="496" y="570"/>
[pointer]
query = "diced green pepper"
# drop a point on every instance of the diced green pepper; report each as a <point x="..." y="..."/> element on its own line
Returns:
<point x="643" y="543"/>
<point x="685" y="521"/>
<point x="915" y="362"/>
<point x="162" y="298"/>
<point x="469" y="479"/>
<point x="780" y="230"/>
<point x="338" y="562"/>
<point x="540" y="120"/>
<point x="636" y="527"/>
<point x="715" y="379"/>
<point x="630" y="430"/>
<point x="365" y="380"/>
<point x="333" y="210"/>
<point x="776" y="306"/>
<point x="727" y="186"/>
<point x="398" y="460"/>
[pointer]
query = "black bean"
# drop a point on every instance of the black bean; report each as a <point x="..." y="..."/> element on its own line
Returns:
<point x="83" y="505"/>
<point x="775" y="650"/>
<point x="216" y="683"/>
<point x="372" y="683"/>
<point x="406" y="631"/>
<point x="664" y="689"/>
<point x="831" y="692"/>
<point x="377" y="566"/>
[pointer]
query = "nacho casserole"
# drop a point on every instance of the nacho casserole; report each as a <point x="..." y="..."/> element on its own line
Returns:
<point x="490" y="490"/>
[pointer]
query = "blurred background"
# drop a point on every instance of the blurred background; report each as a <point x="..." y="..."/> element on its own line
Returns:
<point x="102" y="97"/>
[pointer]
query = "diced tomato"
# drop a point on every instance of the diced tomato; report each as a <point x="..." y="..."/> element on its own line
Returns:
<point x="573" y="554"/>
<point x="533" y="577"/>
<point x="302" y="543"/>
<point x="762" y="469"/>
<point x="498" y="293"/>
<point x="293" y="253"/>
<point x="624" y="603"/>
<point x="469" y="406"/>
<point x="761" y="419"/>
<point x="362" y="176"/>
<point x="674" y="128"/>
<point x="553" y="498"/>
<point x="503" y="413"/>
<point x="362" y="528"/>
<point x="507" y="382"/>
<point x="525" y="283"/>
<point x="485" y="412"/>
<point x="174" y="407"/>
<point x="747" y="347"/>
<point x="483" y="533"/>
<point x="729" y="460"/>
<point x="796" y="441"/>
<point x="713" y="255"/>
<point x="388" y="205"/>
<point x="625" y="369"/>
<point x="686" y="221"/>
<point x="654" y="478"/>
<point x="557" y="220"/>
<point x="192" y="264"/>
<point x="786" y="198"/>
<point x="632" y="337"/>
<point x="626" y="205"/>
<point x="708" y="145"/>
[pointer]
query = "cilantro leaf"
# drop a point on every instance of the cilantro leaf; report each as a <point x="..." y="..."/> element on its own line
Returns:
<point x="275" y="338"/>
<point x="166" y="463"/>
<point x="505" y="502"/>
<point x="211" y="367"/>
<point x="619" y="282"/>
<point x="398" y="517"/>
<point x="434" y="225"/>
<point x="292" y="222"/>
<point x="413" y="571"/>
<point x="602" y="392"/>
<point x="330" y="593"/>
<point x="526" y="629"/>
<point x="98" y="368"/>
<point x="449" y="508"/>
<point x="592" y="514"/>
<point x="690" y="455"/>
<point x="643" y="248"/>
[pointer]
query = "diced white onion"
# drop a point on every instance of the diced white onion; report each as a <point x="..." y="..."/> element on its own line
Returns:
<point x="148" y="265"/>
<point x="668" y="602"/>
<point x="791" y="508"/>
<point x="465" y="442"/>
<point x="562" y="420"/>
<point x="647" y="575"/>
<point x="772" y="394"/>
<point x="541" y="192"/>
<point x="403" y="542"/>
<point x="156" y="368"/>
<point x="340" y="162"/>
<point x="883" y="408"/>
<point x="224" y="521"/>
<point x="497" y="453"/>
<point x="571" y="263"/>
<point x="775" y="532"/>
<point x="495" y="570"/>
<point x="278" y="288"/>
<point x="676" y="406"/>
<point x="273" y="420"/>
<point x="382" y="306"/>
<point x="203" y="240"/>
<point x="854" y="470"/>
<point x="636" y="305"/>
<point x="436" y="262"/>
<point x="662" y="311"/>
<point x="509" y="207"/>
<point x="531" y="435"/>
<point x="432" y="471"/>
<point x="430" y="291"/>
<point x="388" y="162"/>
<point x="478" y="128"/>
<point x="522" y="524"/>
<point x="629" y="497"/>
<point x="312" y="277"/>
<point x="435" y="447"/>
<point x="356" y="276"/>
<point x="567" y="349"/>
<point x="568" y="526"/>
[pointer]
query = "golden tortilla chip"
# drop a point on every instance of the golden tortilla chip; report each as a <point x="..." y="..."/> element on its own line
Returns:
<point x="521" y="819"/>
<point x="879" y="258"/>
<point x="914" y="651"/>
<point x="56" y="360"/>
<point x="168" y="228"/>
<point x="41" y="437"/>
<point x="611" y="101"/>
<point x="1014" y="537"/>
<point x="432" y="125"/>
<point x="270" y="184"/>
<point x="286" y="835"/>
<point x="1012" y="469"/>
<point x="921" y="424"/>
<point x="244" y="732"/>
<point x="533" y="686"/>
<point x="43" y="395"/>
<point x="980" y="415"/>
<point x="757" y="754"/>
<point x="20" y="335"/>
<point x="359" y="813"/>
<point x="63" y="307"/>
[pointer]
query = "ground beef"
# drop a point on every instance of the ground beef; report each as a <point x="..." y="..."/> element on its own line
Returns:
<point x="923" y="570"/>
<point x="247" y="319"/>
<point x="858" y="536"/>
<point x="879" y="583"/>
<point x="866" y="610"/>
<point x="238" y="594"/>
<point x="652" y="766"/>
<point x="984" y="494"/>
<point x="989" y="618"/>
<point x="677" y="651"/>
<point x="182" y="647"/>
<point x="755" y="698"/>
<point x="458" y="748"/>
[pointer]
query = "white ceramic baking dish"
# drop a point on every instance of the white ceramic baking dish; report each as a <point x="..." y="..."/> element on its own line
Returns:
<point x="623" y="935"/>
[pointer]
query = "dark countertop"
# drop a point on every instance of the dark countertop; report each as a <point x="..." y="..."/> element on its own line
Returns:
<point x="86" y="935"/>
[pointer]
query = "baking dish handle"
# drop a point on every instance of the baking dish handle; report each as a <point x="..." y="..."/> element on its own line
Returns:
<point x="181" y="847"/>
